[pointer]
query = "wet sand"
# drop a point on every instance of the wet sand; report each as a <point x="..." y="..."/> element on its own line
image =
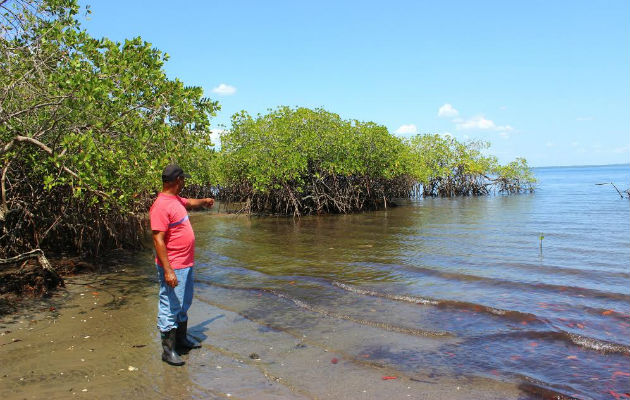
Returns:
<point x="97" y="339"/>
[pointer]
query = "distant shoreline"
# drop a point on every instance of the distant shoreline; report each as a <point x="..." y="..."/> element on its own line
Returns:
<point x="582" y="166"/>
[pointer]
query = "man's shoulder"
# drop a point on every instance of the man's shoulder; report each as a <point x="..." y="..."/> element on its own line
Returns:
<point x="156" y="203"/>
<point x="169" y="204"/>
<point x="160" y="204"/>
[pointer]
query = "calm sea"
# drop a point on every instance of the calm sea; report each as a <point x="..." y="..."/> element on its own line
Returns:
<point x="532" y="289"/>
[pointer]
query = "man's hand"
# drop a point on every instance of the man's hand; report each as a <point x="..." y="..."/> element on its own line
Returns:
<point x="208" y="202"/>
<point x="170" y="278"/>
<point x="160" y="250"/>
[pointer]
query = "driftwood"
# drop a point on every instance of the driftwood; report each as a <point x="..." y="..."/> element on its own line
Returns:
<point x="618" y="191"/>
<point x="35" y="253"/>
<point x="26" y="273"/>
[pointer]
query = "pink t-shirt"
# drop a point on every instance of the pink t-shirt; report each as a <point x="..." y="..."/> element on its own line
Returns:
<point x="168" y="214"/>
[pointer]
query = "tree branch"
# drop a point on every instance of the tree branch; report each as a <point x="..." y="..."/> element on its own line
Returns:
<point x="48" y="150"/>
<point x="36" y="106"/>
<point x="3" y="207"/>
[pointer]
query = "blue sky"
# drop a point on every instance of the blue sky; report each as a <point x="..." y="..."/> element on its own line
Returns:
<point x="545" y="80"/>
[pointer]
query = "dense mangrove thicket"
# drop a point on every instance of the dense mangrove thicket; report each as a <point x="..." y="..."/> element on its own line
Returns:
<point x="86" y="126"/>
<point x="302" y="161"/>
<point x="444" y="166"/>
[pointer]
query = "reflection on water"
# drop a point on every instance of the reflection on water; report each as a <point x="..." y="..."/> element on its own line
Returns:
<point x="468" y="273"/>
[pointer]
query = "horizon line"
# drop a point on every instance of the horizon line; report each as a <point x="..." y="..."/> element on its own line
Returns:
<point x="582" y="165"/>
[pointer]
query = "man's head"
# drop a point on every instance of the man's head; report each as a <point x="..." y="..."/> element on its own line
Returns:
<point x="173" y="178"/>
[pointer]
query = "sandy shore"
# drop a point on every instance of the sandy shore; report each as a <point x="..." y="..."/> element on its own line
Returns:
<point x="97" y="339"/>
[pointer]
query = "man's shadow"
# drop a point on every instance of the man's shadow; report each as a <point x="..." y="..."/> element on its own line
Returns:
<point x="197" y="331"/>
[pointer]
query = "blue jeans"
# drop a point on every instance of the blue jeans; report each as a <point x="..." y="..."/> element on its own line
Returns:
<point x="174" y="302"/>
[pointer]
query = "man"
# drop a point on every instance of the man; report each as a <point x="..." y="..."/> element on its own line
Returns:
<point x="174" y="243"/>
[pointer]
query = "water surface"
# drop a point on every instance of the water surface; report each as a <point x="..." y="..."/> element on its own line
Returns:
<point x="451" y="287"/>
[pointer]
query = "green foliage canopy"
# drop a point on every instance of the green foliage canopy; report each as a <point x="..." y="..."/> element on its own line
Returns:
<point x="445" y="166"/>
<point x="306" y="160"/>
<point x="94" y="117"/>
<point x="287" y="145"/>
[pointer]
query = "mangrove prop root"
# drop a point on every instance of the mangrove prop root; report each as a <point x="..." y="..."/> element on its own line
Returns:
<point x="321" y="193"/>
<point x="328" y="194"/>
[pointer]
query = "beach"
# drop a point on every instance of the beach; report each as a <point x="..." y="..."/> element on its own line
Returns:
<point x="97" y="339"/>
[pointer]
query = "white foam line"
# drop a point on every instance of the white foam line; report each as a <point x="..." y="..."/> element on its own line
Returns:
<point x="408" y="299"/>
<point x="595" y="344"/>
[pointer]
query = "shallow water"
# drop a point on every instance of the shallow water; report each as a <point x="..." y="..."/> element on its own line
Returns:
<point x="96" y="339"/>
<point x="457" y="287"/>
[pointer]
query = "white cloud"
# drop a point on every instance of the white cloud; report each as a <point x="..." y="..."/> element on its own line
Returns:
<point x="477" y="122"/>
<point x="407" y="129"/>
<point x="447" y="111"/>
<point x="224" y="90"/>
<point x="481" y="123"/>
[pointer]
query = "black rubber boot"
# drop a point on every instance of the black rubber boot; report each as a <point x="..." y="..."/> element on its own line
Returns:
<point x="183" y="342"/>
<point x="169" y="355"/>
